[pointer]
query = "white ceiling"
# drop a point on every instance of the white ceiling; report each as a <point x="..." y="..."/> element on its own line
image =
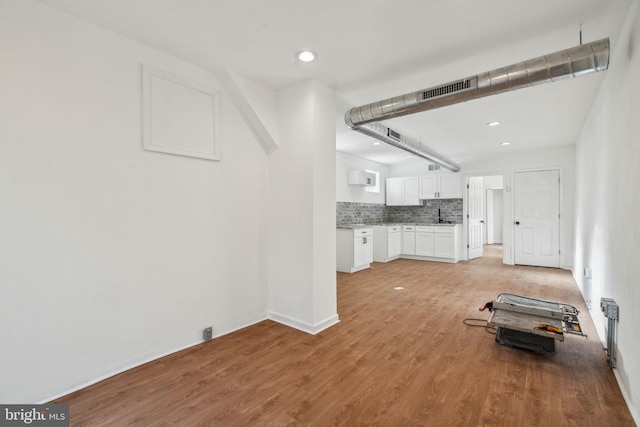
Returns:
<point x="374" y="49"/>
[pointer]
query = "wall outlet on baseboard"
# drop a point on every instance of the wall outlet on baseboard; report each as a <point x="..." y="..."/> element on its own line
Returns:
<point x="207" y="334"/>
<point x="587" y="273"/>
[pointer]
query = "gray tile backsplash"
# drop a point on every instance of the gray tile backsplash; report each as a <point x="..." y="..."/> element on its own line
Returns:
<point x="359" y="213"/>
<point x="373" y="213"/>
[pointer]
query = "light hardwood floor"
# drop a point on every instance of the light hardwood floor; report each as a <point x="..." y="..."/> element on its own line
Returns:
<point x="397" y="358"/>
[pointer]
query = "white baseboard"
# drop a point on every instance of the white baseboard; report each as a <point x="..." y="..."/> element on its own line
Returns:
<point x="304" y="326"/>
<point x="625" y="396"/>
<point x="140" y="363"/>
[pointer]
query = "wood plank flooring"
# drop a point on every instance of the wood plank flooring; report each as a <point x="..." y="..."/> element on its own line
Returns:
<point x="397" y="358"/>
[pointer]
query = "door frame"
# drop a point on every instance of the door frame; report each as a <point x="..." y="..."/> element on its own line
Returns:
<point x="507" y="256"/>
<point x="510" y="221"/>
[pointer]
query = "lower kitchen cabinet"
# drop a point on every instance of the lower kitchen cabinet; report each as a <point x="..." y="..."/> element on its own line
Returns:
<point x="409" y="239"/>
<point x="439" y="241"/>
<point x="424" y="241"/>
<point x="432" y="243"/>
<point x="354" y="249"/>
<point x="387" y="242"/>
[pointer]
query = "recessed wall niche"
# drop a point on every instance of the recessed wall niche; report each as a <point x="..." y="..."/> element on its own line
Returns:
<point x="179" y="116"/>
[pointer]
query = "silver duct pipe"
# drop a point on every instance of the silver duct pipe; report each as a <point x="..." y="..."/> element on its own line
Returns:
<point x="391" y="137"/>
<point x="573" y="62"/>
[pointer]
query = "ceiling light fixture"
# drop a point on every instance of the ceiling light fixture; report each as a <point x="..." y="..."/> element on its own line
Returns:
<point x="377" y="143"/>
<point x="306" y="55"/>
<point x="505" y="143"/>
<point x="493" y="123"/>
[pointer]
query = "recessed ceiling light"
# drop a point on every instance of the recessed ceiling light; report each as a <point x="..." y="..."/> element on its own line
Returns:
<point x="409" y="155"/>
<point x="377" y="143"/>
<point x="493" y="123"/>
<point x="306" y="55"/>
<point x="505" y="143"/>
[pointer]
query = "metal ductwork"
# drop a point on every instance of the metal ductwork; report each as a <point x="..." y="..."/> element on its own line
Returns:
<point x="573" y="62"/>
<point x="406" y="143"/>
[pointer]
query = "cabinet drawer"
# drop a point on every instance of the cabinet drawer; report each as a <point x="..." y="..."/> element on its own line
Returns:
<point x="424" y="229"/>
<point x="393" y="228"/>
<point x="443" y="229"/>
<point x="408" y="228"/>
<point x="363" y="232"/>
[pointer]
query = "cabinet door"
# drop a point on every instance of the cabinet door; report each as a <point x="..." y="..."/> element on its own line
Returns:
<point x="367" y="250"/>
<point x="409" y="242"/>
<point x="444" y="245"/>
<point x="428" y="186"/>
<point x="394" y="244"/>
<point x="424" y="244"/>
<point x="449" y="186"/>
<point x="394" y="191"/>
<point x="357" y="252"/>
<point x="361" y="246"/>
<point x="410" y="196"/>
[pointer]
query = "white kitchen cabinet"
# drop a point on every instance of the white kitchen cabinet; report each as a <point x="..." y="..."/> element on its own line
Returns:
<point x="387" y="242"/>
<point x="362" y="178"/>
<point x="354" y="249"/>
<point x="424" y="241"/>
<point x="408" y="240"/>
<point x="445" y="242"/>
<point x="403" y="191"/>
<point x="440" y="186"/>
<point x="439" y="242"/>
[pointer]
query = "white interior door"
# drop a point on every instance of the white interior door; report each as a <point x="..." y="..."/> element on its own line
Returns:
<point x="536" y="205"/>
<point x="474" y="218"/>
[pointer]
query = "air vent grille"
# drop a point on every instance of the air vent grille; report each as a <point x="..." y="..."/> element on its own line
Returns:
<point x="393" y="134"/>
<point x="449" y="88"/>
<point x="433" y="167"/>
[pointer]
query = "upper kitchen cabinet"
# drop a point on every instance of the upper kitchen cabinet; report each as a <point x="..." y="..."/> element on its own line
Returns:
<point x="403" y="191"/>
<point x="440" y="186"/>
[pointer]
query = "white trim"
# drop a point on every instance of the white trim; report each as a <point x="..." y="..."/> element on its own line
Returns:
<point x="626" y="397"/>
<point x="616" y="373"/>
<point x="208" y="135"/>
<point x="304" y="326"/>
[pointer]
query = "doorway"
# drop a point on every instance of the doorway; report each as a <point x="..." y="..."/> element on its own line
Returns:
<point x="484" y="213"/>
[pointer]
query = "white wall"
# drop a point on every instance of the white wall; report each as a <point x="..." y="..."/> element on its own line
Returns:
<point x="495" y="205"/>
<point x="351" y="193"/>
<point x="608" y="201"/>
<point x="490" y="183"/>
<point x="111" y="255"/>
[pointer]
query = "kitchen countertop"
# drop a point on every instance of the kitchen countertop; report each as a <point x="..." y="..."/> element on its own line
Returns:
<point x="357" y="226"/>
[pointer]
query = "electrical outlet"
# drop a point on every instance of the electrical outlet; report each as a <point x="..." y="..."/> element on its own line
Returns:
<point x="587" y="273"/>
<point x="207" y="334"/>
